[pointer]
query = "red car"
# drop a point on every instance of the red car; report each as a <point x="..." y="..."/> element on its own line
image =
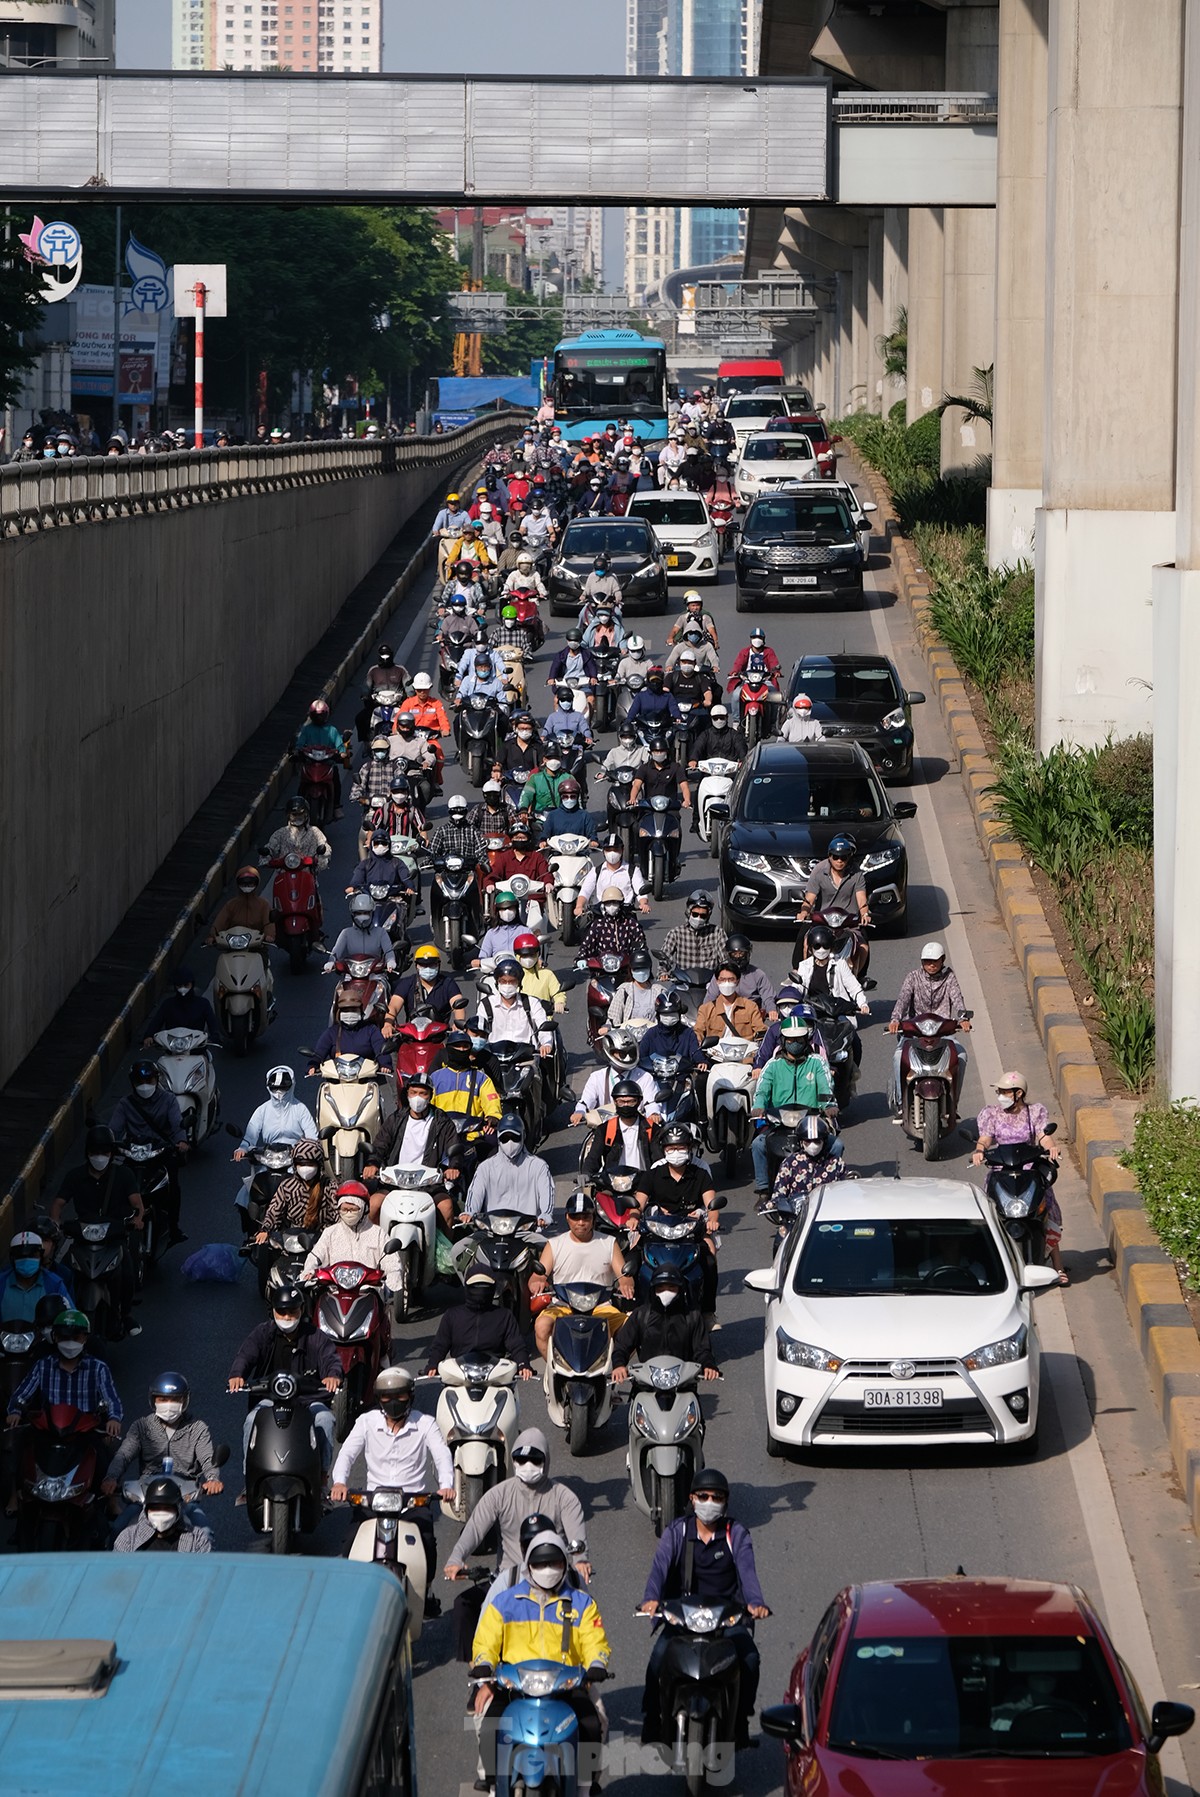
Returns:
<point x="938" y="1686"/>
<point x="817" y="431"/>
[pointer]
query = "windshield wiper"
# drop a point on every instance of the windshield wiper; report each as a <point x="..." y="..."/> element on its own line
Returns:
<point x="863" y="1750"/>
<point x="1016" y="1753"/>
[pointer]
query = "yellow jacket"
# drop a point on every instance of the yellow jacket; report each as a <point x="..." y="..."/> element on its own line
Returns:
<point x="539" y="982"/>
<point x="455" y="1091"/>
<point x="525" y="1623"/>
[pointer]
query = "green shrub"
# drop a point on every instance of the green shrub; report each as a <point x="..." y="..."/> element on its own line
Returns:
<point x="1123" y="772"/>
<point x="985" y="617"/>
<point x="1166" y="1159"/>
<point x="960" y="500"/>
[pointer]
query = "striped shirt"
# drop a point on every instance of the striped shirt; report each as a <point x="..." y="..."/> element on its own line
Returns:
<point x="85" y="1385"/>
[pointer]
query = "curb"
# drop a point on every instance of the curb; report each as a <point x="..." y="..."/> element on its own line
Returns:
<point x="1162" y="1323"/>
<point x="86" y="1088"/>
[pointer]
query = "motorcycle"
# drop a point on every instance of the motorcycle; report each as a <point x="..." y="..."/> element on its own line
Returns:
<point x="477" y="1415"/>
<point x="622" y="815"/>
<point x="150" y="1160"/>
<point x="578" y="1372"/>
<point x="616" y="1207"/>
<point x="1020" y="1178"/>
<point x="537" y="1734"/>
<point x="521" y="1085"/>
<point x="409" y="1220"/>
<point x="712" y="799"/>
<point x="94" y="1255"/>
<point x="570" y="863"/>
<point x="284" y="1476"/>
<point x="188" y="1073"/>
<point x="295" y="905"/>
<point x="418" y="1044"/>
<point x="282" y="1256"/>
<point x="838" y="1024"/>
<point x="693" y="718"/>
<point x="506" y="1245"/>
<point x="850" y="943"/>
<point x="607" y="659"/>
<point x="362" y="979"/>
<point x="17" y="1343"/>
<point x="316" y="777"/>
<point x="388" y="700"/>
<point x="666" y="1436"/>
<point x="721" y="507"/>
<point x="386" y="1538"/>
<point x="672" y="1240"/>
<point x="58" y="1480"/>
<point x="243" y="988"/>
<point x="455" y="910"/>
<point x="659" y="841"/>
<point x="758" y="705"/>
<point x="530" y="896"/>
<point x="480" y="729"/>
<point x="352" y="1311"/>
<point x="674" y="1093"/>
<point x="929" y="1062"/>
<point x="605" y="973"/>
<point x="728" y="1095"/>
<point x="348" y="1112"/>
<point x="134" y="1490"/>
<point x="700" y="1688"/>
<point x="627" y="692"/>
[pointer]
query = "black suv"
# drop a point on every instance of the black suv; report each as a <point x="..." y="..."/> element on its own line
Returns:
<point x="635" y="558"/>
<point x="798" y="543"/>
<point x="859" y="698"/>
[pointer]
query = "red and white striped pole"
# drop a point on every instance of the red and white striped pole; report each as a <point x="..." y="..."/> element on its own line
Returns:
<point x="201" y="293"/>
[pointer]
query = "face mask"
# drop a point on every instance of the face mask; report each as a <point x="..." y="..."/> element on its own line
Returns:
<point x="1008" y="1101"/>
<point x="528" y="1471"/>
<point x="510" y="1148"/>
<point x="613" y="857"/>
<point x="628" y="1112"/>
<point x="396" y="1411"/>
<point x="379" y="755"/>
<point x="145" y="1091"/>
<point x="479" y="1297"/>
<point x="641" y="976"/>
<point x="529" y="961"/>
<point x="183" y="991"/>
<point x="26" y="1266"/>
<point x="548" y="1577"/>
<point x="677" y="1157"/>
<point x="280" y="1098"/>
<point x="506" y="989"/>
<point x="288" y="1325"/>
<point x="478" y="1042"/>
<point x="708" y="1511"/>
<point x="161" y="1520"/>
<point x="727" y="988"/>
<point x="351" y="1019"/>
<point x="696" y="923"/>
<point x="658" y="758"/>
<point x="569" y="804"/>
<point x="669" y="1019"/>
<point x="168" y="1411"/>
<point x="667" y="1298"/>
<point x="524" y="736"/>
<point x="351" y="1214"/>
<point x="98" y="1162"/>
<point x="820" y="956"/>
<point x="507" y="914"/>
<point x="70" y="1350"/>
<point x="247" y="891"/>
<point x="612" y="910"/>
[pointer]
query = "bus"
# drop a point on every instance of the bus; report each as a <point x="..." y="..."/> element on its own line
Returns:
<point x="232" y="1673"/>
<point x="601" y="376"/>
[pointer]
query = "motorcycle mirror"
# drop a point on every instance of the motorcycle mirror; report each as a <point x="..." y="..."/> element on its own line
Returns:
<point x="1051" y="1129"/>
<point x="235" y="1130"/>
<point x="718" y="1203"/>
<point x="628" y="1269"/>
<point x="869" y="985"/>
<point x="221" y="1454"/>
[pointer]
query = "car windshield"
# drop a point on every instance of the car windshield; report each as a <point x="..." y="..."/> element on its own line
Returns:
<point x="817" y="435"/>
<point x="810" y="793"/>
<point x="784" y="515"/>
<point x="670" y="511"/>
<point x="976" y="1696"/>
<point x="777" y="449"/>
<point x="869" y="1256"/>
<point x="827" y="683"/>
<point x="754" y="405"/>
<point x="596" y="539"/>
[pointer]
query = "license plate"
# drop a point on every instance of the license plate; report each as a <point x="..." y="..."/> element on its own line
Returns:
<point x="672" y="561"/>
<point x="799" y="580"/>
<point x="903" y="1397"/>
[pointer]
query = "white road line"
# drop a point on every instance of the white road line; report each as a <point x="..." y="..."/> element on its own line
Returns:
<point x="1119" y="1595"/>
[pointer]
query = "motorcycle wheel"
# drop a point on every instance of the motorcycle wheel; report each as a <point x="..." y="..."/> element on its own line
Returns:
<point x="473" y="1487"/>
<point x="730" y="1155"/>
<point x="843" y="1085"/>
<point x="566" y="928"/>
<point x="579" y="1417"/>
<point x="714" y="837"/>
<point x="281" y="1526"/>
<point x="665" y="1491"/>
<point x="346" y="1403"/>
<point x="695" y="1778"/>
<point x="454" y="942"/>
<point x="753" y="728"/>
<point x="401" y="1303"/>
<point x="320" y="804"/>
<point x="475" y="768"/>
<point x="239" y="1033"/>
<point x="658" y="876"/>
<point x="930" y="1136"/>
<point x="297" y="949"/>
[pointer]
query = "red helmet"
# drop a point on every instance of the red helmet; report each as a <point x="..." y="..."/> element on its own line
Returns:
<point x="570" y="789"/>
<point x="352" y="1188"/>
<point x="318" y="711"/>
<point x="526" y="944"/>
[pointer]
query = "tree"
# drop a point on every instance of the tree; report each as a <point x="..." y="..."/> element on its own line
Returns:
<point x="978" y="404"/>
<point x="893" y="347"/>
<point x="21" y="311"/>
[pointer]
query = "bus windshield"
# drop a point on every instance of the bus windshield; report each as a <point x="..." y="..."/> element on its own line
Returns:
<point x="622" y="381"/>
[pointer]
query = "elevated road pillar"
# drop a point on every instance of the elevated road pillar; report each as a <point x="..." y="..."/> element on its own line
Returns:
<point x="969" y="296"/>
<point x="926" y="268"/>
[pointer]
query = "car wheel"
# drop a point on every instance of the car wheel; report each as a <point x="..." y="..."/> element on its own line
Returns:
<point x="742" y="602"/>
<point x="776" y="1449"/>
<point x="1027" y="1449"/>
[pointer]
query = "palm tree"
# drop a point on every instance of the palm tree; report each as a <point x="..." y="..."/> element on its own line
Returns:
<point x="893" y="347"/>
<point x="979" y="405"/>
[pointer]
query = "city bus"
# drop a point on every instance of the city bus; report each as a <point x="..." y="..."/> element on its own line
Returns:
<point x="236" y="1674"/>
<point x="601" y="376"/>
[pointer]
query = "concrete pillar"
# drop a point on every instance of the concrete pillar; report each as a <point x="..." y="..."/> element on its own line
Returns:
<point x="969" y="293"/>
<point x="1112" y="247"/>
<point x="860" y="368"/>
<point x="895" y="289"/>
<point x="1016" y="489"/>
<point x="877" y="326"/>
<point x="926" y="250"/>
<point x="1176" y="644"/>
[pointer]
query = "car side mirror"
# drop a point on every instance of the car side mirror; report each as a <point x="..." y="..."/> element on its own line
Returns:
<point x="868" y="505"/>
<point x="905" y="808"/>
<point x="762" y="1279"/>
<point x="786" y="1720"/>
<point x="1166" y="1719"/>
<point x="914" y="698"/>
<point x="1037" y="1279"/>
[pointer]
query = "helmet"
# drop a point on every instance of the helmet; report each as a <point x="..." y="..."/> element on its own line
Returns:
<point x="612" y="895"/>
<point x="422" y="683"/>
<point x="70" y="1322"/>
<point x="527" y="944"/>
<point x="398" y="788"/>
<point x="510" y="1124"/>
<point x="563" y="694"/>
<point x="739" y="946"/>
<point x="570" y="789"/>
<point x="505" y="898"/>
<point x="163" y="1494"/>
<point x="820" y="937"/>
<point x="546" y="1553"/>
<point x="758" y="634"/>
<point x="795" y="1033"/>
<point x="508" y="614"/>
<point x="427" y="956"/>
<point x="620" y="1046"/>
<point x="144" y="1073"/>
<point x="318" y="711"/>
<point x="636" y="644"/>
<point x="667" y="1001"/>
<point x="247" y="878"/>
<point x="814" y="1135"/>
<point x="406" y="723"/>
<point x="456" y="802"/>
<point x="628" y="1089"/>
<point x="287" y="1298"/>
<point x="280" y="1079"/>
<point x="170" y="1385"/>
<point x="99" y="1140"/>
<point x="574" y="637"/>
<point x="384" y="655"/>
<point x="524" y="560"/>
<point x="688" y="657"/>
<point x="692" y="597"/>
<point x="394" y="1388"/>
<point x="699" y="901"/>
<point x="802" y="702"/>
<point x="535" y="1524"/>
<point x="26" y="1238"/>
<point x="843" y="845"/>
<point x="381" y="842"/>
<point x="508" y="965"/>
<point x="677" y="1135"/>
<point x="297" y="811"/>
<point x="458" y="1048"/>
<point x="718" y="713"/>
<point x="361" y="906"/>
<point x="664" y="1277"/>
<point x="452" y="499"/>
<point x="933" y="951"/>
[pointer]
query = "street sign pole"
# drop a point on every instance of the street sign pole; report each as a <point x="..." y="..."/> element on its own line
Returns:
<point x="116" y="409"/>
<point x="201" y="296"/>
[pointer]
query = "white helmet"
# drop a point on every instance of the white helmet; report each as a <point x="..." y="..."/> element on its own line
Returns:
<point x="422" y="683"/>
<point x="524" y="560"/>
<point x="933" y="951"/>
<point x="636" y="644"/>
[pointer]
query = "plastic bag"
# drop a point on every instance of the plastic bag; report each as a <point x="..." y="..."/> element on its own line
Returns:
<point x="445" y="1254"/>
<point x="216" y="1261"/>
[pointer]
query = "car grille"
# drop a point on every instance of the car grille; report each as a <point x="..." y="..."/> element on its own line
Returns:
<point x="805" y="555"/>
<point x="855" y="731"/>
<point x="963" y="1418"/>
<point x="790" y="864"/>
<point x="685" y="556"/>
<point x="882" y="1369"/>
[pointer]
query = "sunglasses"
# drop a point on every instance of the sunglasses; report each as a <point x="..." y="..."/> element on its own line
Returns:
<point x="709" y="1497"/>
<point x="529" y="1457"/>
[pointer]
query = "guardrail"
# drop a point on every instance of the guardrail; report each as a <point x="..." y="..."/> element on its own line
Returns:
<point x="36" y="496"/>
<point x="915" y="109"/>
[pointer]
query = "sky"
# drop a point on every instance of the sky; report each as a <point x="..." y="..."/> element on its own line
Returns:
<point x="469" y="37"/>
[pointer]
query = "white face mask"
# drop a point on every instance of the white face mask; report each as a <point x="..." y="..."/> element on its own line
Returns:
<point x="287" y="1324"/>
<point x="727" y="988"/>
<point x="613" y="857"/>
<point x="667" y="1298"/>
<point x="145" y="1091"/>
<point x="161" y="1520"/>
<point x="612" y="910"/>
<point x="528" y="1471"/>
<point x="169" y="1410"/>
<point x="98" y="1162"/>
<point x="351" y="1214"/>
<point x="507" y="914"/>
<point x="709" y="1511"/>
<point x="280" y="1098"/>
<point x="677" y="1157"/>
<point x="1007" y="1100"/>
<point x="529" y="961"/>
<point x="307" y="1172"/>
<point x="548" y="1577"/>
<point x="418" y="1102"/>
<point x="569" y="804"/>
<point x="507" y="989"/>
<point x="697" y="923"/>
<point x="820" y="956"/>
<point x="351" y="1019"/>
<point x="509" y="1148"/>
<point x="70" y="1350"/>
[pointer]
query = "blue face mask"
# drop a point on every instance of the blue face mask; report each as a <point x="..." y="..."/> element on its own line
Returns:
<point x="26" y="1266"/>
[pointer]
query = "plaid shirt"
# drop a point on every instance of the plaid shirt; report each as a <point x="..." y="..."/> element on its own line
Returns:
<point x="693" y="949"/>
<point x="491" y="823"/>
<point x="459" y="839"/>
<point x="372" y="782"/>
<point x="85" y="1385"/>
<point x="509" y="636"/>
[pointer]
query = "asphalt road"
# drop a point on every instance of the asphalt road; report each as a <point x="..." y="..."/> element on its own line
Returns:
<point x="1097" y="1500"/>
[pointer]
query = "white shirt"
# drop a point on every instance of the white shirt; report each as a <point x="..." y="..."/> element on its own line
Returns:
<point x="277" y="1124"/>
<point x="396" y="1457"/>
<point x="628" y="880"/>
<point x="598" y="1091"/>
<point x="511" y="1022"/>
<point x="416" y="1134"/>
<point x="633" y="1147"/>
<point x="798" y="729"/>
<point x="581" y="1263"/>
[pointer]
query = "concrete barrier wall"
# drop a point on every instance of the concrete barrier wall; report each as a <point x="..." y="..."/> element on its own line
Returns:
<point x="135" y="658"/>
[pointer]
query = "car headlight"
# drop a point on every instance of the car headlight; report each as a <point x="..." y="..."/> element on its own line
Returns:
<point x="647" y="571"/>
<point x="804" y="1354"/>
<point x="1013" y="1347"/>
<point x="560" y="571"/>
<point x="895" y="720"/>
<point x="882" y="857"/>
<point x="755" y="864"/>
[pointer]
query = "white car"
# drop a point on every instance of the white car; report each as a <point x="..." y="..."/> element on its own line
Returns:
<point x="859" y="511"/>
<point x="684" y="529"/>
<point x="898" y="1312"/>
<point x="773" y="459"/>
<point x="750" y="412"/>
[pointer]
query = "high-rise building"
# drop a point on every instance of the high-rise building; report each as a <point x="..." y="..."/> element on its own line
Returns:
<point x="704" y="38"/>
<point x="336" y="37"/>
<point x="70" y="34"/>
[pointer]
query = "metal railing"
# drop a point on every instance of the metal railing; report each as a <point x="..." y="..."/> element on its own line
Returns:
<point x="36" y="496"/>
<point x="914" y="109"/>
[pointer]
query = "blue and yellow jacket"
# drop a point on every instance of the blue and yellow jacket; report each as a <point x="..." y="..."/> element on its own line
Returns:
<point x="525" y="1623"/>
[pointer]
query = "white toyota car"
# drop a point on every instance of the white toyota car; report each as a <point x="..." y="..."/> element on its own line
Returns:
<point x="898" y="1312"/>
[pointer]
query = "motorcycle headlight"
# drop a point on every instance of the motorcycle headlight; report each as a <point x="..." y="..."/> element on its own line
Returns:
<point x="349" y="1278"/>
<point x="895" y="720"/>
<point x="94" y="1232"/>
<point x="702" y="1619"/>
<point x="387" y="1503"/>
<point x="804" y="1354"/>
<point x="195" y="1079"/>
<point x="16" y="1343"/>
<point x="755" y="864"/>
<point x="57" y="1491"/>
<point x="1017" y="1206"/>
<point x="690" y="1420"/>
<point x="664" y="1378"/>
<point x="1012" y="1347"/>
<point x="536" y="1681"/>
<point x="885" y="856"/>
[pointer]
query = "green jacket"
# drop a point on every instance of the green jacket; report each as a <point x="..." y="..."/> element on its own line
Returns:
<point x="540" y="792"/>
<point x="784" y="1082"/>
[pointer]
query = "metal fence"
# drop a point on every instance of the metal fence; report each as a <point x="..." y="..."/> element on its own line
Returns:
<point x="47" y="495"/>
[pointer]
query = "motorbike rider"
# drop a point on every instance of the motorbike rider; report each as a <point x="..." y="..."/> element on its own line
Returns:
<point x="689" y="682"/>
<point x="671" y="457"/>
<point x="352" y="1237"/>
<point x="349" y="1035"/>
<point x="411" y="752"/>
<point x="752" y="981"/>
<point x="605" y="629"/>
<point x="709" y="1558"/>
<point x="930" y="990"/>
<point x="836" y="885"/>
<point x="816" y="1160"/>
<point x="619" y="1049"/>
<point x="796" y="1076"/>
<point x="457" y="837"/>
<point x="661" y="775"/>
<point x="613" y="929"/>
<point x="521" y="754"/>
<point x="719" y="740"/>
<point x="693" y="640"/>
<point x="757" y="655"/>
<point x="615" y="871"/>
<point x="697" y="943"/>
<point x="627" y="1138"/>
<point x="633" y="1000"/>
<point x="102" y="1190"/>
<point x="163" y="1525"/>
<point x="279" y="1122"/>
<point x="26" y="1281"/>
<point x="826" y="975"/>
<point x="480" y="681"/>
<point x="425" y="990"/>
<point x="537" y="981"/>
<point x="362" y="938"/>
<point x="635" y="663"/>
<point x="397" y="1444"/>
<point x="1013" y="1119"/>
<point x="670" y="1037"/>
<point x="167" y="1431"/>
<point x="541" y="791"/>
<point x="574" y="666"/>
<point x="382" y="676"/>
<point x="319" y="733"/>
<point x="564" y="725"/>
<point x="789" y="998"/>
<point x="730" y="1010"/>
<point x="448" y="527"/>
<point x="379" y="867"/>
<point x="287" y="1342"/>
<point x="629" y="751"/>
<point x="305" y="1199"/>
<point x="654" y="709"/>
<point x="67" y="1374"/>
<point x="800" y="726"/>
<point x="499" y="939"/>
<point x="299" y="837"/>
<point x="664" y="1325"/>
<point x="492" y="816"/>
<point x="569" y="817"/>
<point x="694" y="613"/>
<point x="150" y="1114"/>
<point x="183" y="1008"/>
<point x="543" y="1616"/>
<point x="720" y="437"/>
<point x="477" y="1326"/>
<point x="580" y="1257"/>
<point x="429" y="718"/>
<point x="683" y="1185"/>
<point x="417" y="1134"/>
<point x="371" y="782"/>
<point x="520" y="857"/>
<point x="462" y="1086"/>
<point x="246" y="911"/>
<point x="511" y="1015"/>
<point x="515" y="1179"/>
<point x="523" y="576"/>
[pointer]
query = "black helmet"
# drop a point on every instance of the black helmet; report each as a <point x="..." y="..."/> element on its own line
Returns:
<point x="381" y="842"/>
<point x="100" y="1140"/>
<point x="667" y="1001"/>
<point x="535" y="1524"/>
<point x="458" y="1049"/>
<point x="163" y="1494"/>
<point x="143" y="1073"/>
<point x="627" y="1089"/>
<point x="664" y="1277"/>
<point x="740" y="947"/>
<point x="546" y="1553"/>
<point x="508" y="967"/>
<point x="297" y="811"/>
<point x="287" y="1298"/>
<point x="677" y="1135"/>
<point x="385" y="655"/>
<point x="820" y="936"/>
<point x="699" y="901"/>
<point x="170" y="1385"/>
